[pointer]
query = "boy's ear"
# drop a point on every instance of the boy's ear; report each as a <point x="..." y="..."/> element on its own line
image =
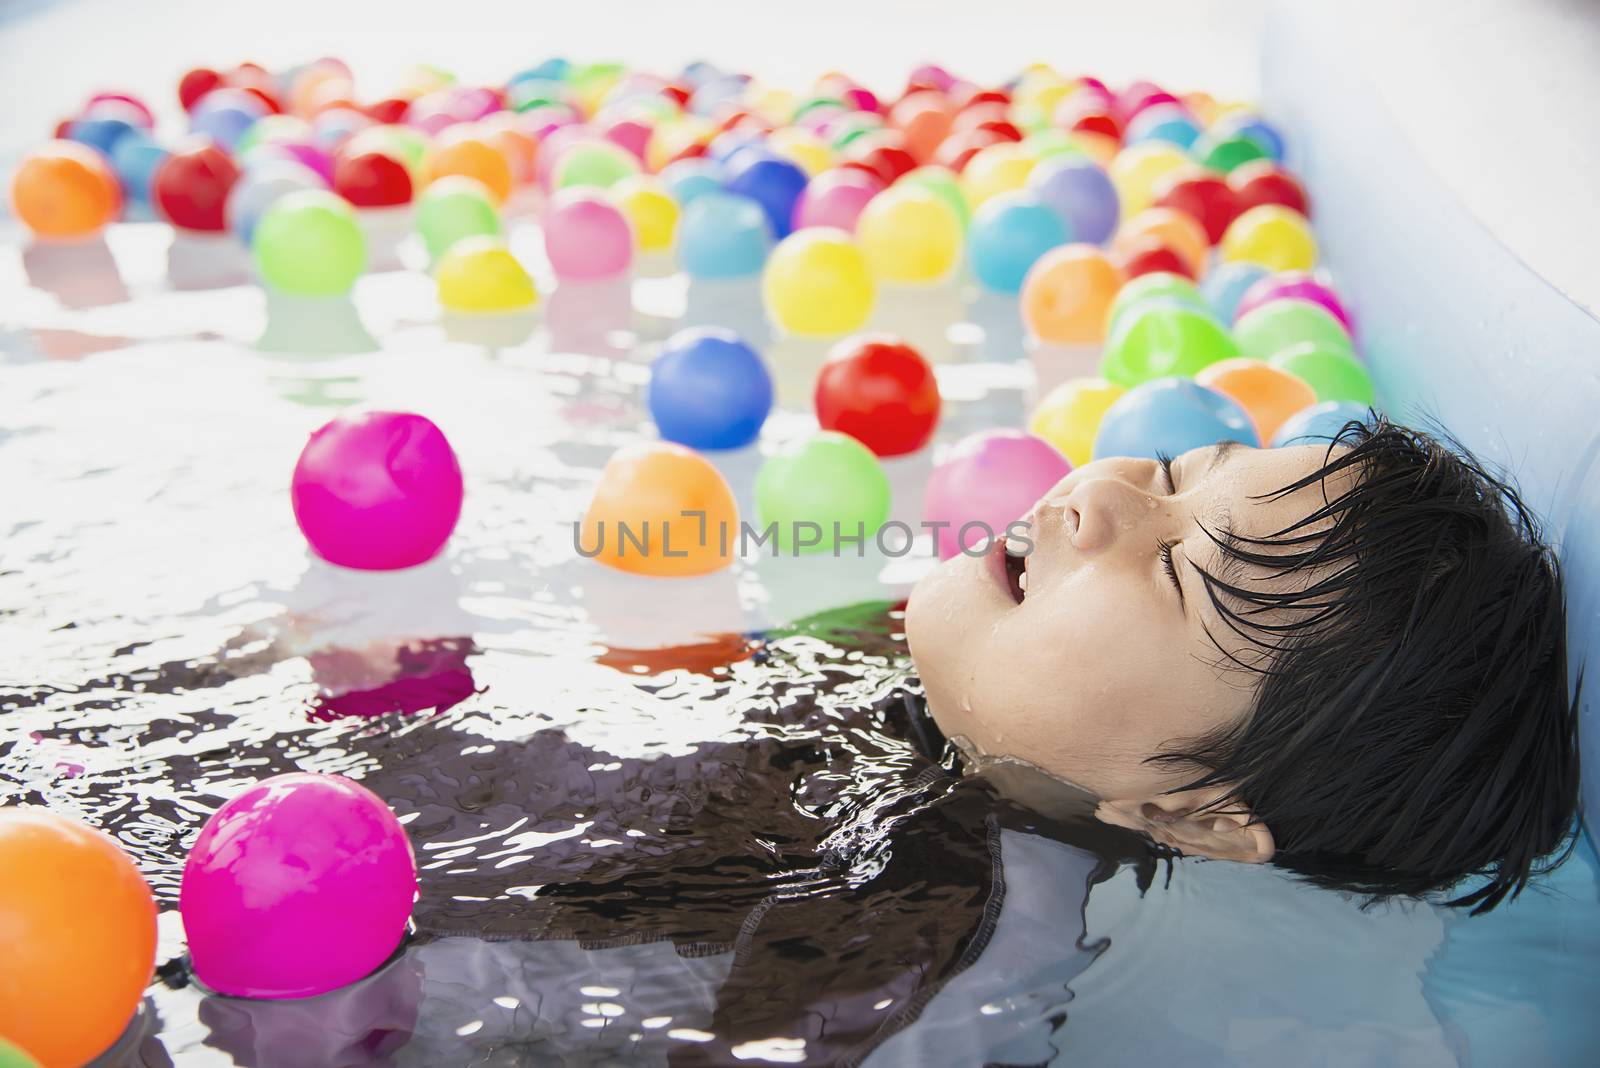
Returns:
<point x="1185" y="822"/>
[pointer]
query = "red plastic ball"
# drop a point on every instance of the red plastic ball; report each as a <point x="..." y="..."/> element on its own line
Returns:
<point x="196" y="84"/>
<point x="1001" y="128"/>
<point x="881" y="392"/>
<point x="1148" y="255"/>
<point x="678" y="94"/>
<point x="1261" y="182"/>
<point x="976" y="115"/>
<point x="975" y="96"/>
<point x="888" y="162"/>
<point x="1100" y="122"/>
<point x="389" y="110"/>
<point x="190" y="189"/>
<point x="1205" y="197"/>
<point x="372" y="180"/>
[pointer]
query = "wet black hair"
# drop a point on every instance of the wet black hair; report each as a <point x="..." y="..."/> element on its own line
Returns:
<point x="1412" y="731"/>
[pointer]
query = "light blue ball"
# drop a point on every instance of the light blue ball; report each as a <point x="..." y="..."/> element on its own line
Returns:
<point x="723" y="235"/>
<point x="1081" y="194"/>
<point x="689" y="179"/>
<point x="554" y="69"/>
<point x="1163" y="122"/>
<point x="1170" y="416"/>
<point x="1319" y="424"/>
<point x="709" y="390"/>
<point x="1008" y="235"/>
<point x="1225" y="285"/>
<point x="259" y="187"/>
<point x="135" y="159"/>
<point x="101" y="132"/>
<point x="223" y="123"/>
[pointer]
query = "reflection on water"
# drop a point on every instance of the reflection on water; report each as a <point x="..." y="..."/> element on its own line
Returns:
<point x="81" y="274"/>
<point x="313" y="325"/>
<point x="198" y="261"/>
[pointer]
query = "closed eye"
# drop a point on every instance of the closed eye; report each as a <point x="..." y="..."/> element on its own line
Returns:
<point x="1166" y="470"/>
<point x="1165" y="549"/>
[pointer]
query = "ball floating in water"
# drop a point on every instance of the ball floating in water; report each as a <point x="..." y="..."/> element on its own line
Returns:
<point x="687" y="179"/>
<point x="594" y="163"/>
<point x="1268" y="393"/>
<point x="190" y="188"/>
<point x="77" y="934"/>
<point x="1068" y="293"/>
<point x="472" y="157"/>
<point x="1069" y="416"/>
<point x="944" y="183"/>
<point x="1295" y="285"/>
<point x="816" y="283"/>
<point x="987" y="481"/>
<point x="1170" y="416"/>
<point x="135" y="159"/>
<point x="1274" y="236"/>
<point x="1332" y="371"/>
<point x="881" y="392"/>
<point x="479" y="274"/>
<point x="995" y="169"/>
<point x="1220" y="150"/>
<point x="709" y="390"/>
<point x="771" y="181"/>
<point x="1171" y="123"/>
<point x="1079" y="190"/>
<point x="723" y="236"/>
<point x="1282" y="324"/>
<point x="453" y="208"/>
<point x="821" y="493"/>
<point x="308" y="243"/>
<point x="1204" y="197"/>
<point x="261" y="187"/>
<point x="225" y="115"/>
<point x="373" y="180"/>
<point x="1176" y="230"/>
<point x="650" y="209"/>
<point x="377" y="490"/>
<point x="1225" y="285"/>
<point x="1320" y="423"/>
<point x="909" y="235"/>
<point x="1138" y="170"/>
<point x="836" y="198"/>
<point x="1161" y="339"/>
<point x="299" y="885"/>
<point x="65" y="190"/>
<point x="1008" y="236"/>
<point x="661" y="509"/>
<point x="1155" y="288"/>
<point x="1262" y="182"/>
<point x="586" y="237"/>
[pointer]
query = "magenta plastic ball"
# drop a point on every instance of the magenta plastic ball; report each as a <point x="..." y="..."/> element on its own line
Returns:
<point x="1294" y="285"/>
<point x="377" y="490"/>
<point x="298" y="886"/>
<point x="586" y="237"/>
<point x="630" y="134"/>
<point x="988" y="480"/>
<point x="835" y="198"/>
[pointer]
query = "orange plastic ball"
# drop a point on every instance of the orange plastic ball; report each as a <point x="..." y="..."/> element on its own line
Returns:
<point x="1100" y="147"/>
<point x="1178" y="230"/>
<point x="636" y="521"/>
<point x="472" y="156"/>
<point x="520" y="148"/>
<point x="1067" y="295"/>
<point x="77" y="937"/>
<point x="925" y="118"/>
<point x="65" y="190"/>
<point x="1269" y="395"/>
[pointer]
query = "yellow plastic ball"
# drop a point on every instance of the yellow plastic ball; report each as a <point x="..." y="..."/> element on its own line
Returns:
<point x="1138" y="170"/>
<point x="650" y="209"/>
<point x="673" y="136"/>
<point x="479" y="274"/>
<point x="909" y="233"/>
<point x="996" y="169"/>
<point x="802" y="147"/>
<point x="1069" y="416"/>
<point x="817" y="283"/>
<point x="1276" y="237"/>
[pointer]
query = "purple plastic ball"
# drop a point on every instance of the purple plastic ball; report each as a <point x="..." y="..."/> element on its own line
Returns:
<point x="1080" y="192"/>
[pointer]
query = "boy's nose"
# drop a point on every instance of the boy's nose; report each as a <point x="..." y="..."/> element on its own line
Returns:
<point x="1107" y="513"/>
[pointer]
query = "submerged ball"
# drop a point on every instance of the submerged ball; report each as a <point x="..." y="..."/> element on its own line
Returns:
<point x="1170" y="416"/>
<point x="709" y="390"/>
<point x="817" y="283"/>
<point x="308" y="243"/>
<point x="987" y="481"/>
<point x="65" y="189"/>
<point x="881" y="392"/>
<point x="821" y="493"/>
<point x="479" y="274"/>
<point x="661" y="509"/>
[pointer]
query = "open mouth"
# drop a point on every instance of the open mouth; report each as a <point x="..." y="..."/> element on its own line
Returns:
<point x="1015" y="561"/>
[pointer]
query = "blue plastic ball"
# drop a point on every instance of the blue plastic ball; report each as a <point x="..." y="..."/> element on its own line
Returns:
<point x="259" y="187"/>
<point x="1009" y="233"/>
<point x="1170" y="416"/>
<point x="730" y="143"/>
<point x="101" y="132"/>
<point x="723" y="235"/>
<point x="1163" y="122"/>
<point x="224" y="123"/>
<point x="1080" y="192"/>
<point x="1256" y="129"/>
<point x="135" y="159"/>
<point x="1225" y="285"/>
<point x="1319" y="424"/>
<point x="709" y="390"/>
<point x="689" y="179"/>
<point x="776" y="183"/>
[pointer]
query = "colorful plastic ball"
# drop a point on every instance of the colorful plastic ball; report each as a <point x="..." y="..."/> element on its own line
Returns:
<point x="1156" y="287"/>
<point x="836" y="198"/>
<point x="1281" y="324"/>
<point x="817" y="283"/>
<point x="1295" y="285"/>
<point x="1170" y="123"/>
<point x="721" y="235"/>
<point x="1269" y="394"/>
<point x="479" y="274"/>
<point x="1257" y="129"/>
<point x="998" y="168"/>
<point x="453" y="208"/>
<point x="1332" y="372"/>
<point x="190" y="188"/>
<point x="1320" y="424"/>
<point x="472" y="157"/>
<point x="651" y="211"/>
<point x="299" y="885"/>
<point x="881" y="392"/>
<point x="1262" y="182"/>
<point x="1137" y="171"/>
<point x="13" y="1056"/>
<point x="195" y="84"/>
<point x="135" y="159"/>
<point x="944" y="183"/>
<point x="664" y="510"/>
<point x="1069" y="416"/>
<point x="593" y="163"/>
<point x="372" y="180"/>
<point x="271" y="128"/>
<point x="1276" y="237"/>
<point x="829" y="480"/>
<point x="225" y="114"/>
<point x="1068" y="294"/>
<point x="586" y="237"/>
<point x="65" y="190"/>
<point x="1008" y="236"/>
<point x="1081" y="193"/>
<point x="261" y="187"/>
<point x="1221" y="151"/>
<point x="1226" y="284"/>
<point x="1149" y="254"/>
<point x="1161" y="339"/>
<point x="308" y="243"/>
<point x="802" y="147"/>
<point x="1205" y="198"/>
<point x="771" y="181"/>
<point x="987" y="481"/>
<point x="709" y="390"/>
<point x="100" y="132"/>
<point x="125" y="105"/>
<point x="1170" y="416"/>
<point x="689" y="179"/>
<point x="1177" y="230"/>
<point x="377" y="490"/>
<point x="909" y="235"/>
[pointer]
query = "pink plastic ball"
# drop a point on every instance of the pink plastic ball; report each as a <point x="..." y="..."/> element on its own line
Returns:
<point x="630" y="134"/>
<point x="298" y="886"/>
<point x="586" y="237"/>
<point x="988" y="480"/>
<point x="377" y="490"/>
<point x="836" y="198"/>
<point x="1294" y="285"/>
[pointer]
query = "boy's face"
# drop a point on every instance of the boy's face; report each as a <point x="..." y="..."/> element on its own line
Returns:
<point x="1103" y="663"/>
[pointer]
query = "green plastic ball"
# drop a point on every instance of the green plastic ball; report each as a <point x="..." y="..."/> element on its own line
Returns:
<point x="452" y="208"/>
<point x="1156" y="286"/>
<point x="1162" y="339"/>
<point x="308" y="243"/>
<point x="943" y="181"/>
<point x="828" y="479"/>
<point x="1225" y="153"/>
<point x="811" y="104"/>
<point x="1332" y="372"/>
<point x="594" y="163"/>
<point x="13" y="1056"/>
<point x="1265" y="331"/>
